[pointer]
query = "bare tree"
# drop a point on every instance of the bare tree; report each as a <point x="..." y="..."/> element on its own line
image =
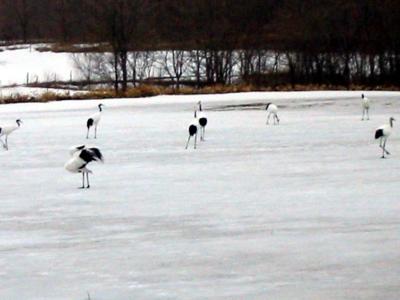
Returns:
<point x="175" y="64"/>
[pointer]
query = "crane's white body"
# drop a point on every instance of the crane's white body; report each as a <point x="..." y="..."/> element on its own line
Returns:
<point x="272" y="110"/>
<point x="383" y="132"/>
<point x="96" y="117"/>
<point x="78" y="162"/>
<point x="94" y="120"/>
<point x="75" y="163"/>
<point x="201" y="115"/>
<point x="6" y="131"/>
<point x="365" y="103"/>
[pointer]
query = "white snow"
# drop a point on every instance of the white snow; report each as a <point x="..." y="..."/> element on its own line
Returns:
<point x="303" y="210"/>
<point x="41" y="66"/>
<point x="25" y="62"/>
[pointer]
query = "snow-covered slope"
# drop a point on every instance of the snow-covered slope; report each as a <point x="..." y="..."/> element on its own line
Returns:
<point x="304" y="210"/>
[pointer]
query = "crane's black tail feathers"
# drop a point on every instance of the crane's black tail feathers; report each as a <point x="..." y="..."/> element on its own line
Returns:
<point x="89" y="123"/>
<point x="192" y="129"/>
<point x="203" y="122"/>
<point x="378" y="133"/>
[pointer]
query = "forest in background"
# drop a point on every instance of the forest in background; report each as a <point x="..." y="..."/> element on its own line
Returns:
<point x="262" y="42"/>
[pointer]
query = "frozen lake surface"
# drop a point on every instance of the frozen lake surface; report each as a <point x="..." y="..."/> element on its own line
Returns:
<point x="304" y="210"/>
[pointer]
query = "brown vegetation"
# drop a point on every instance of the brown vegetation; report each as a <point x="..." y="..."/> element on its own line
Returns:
<point x="142" y="91"/>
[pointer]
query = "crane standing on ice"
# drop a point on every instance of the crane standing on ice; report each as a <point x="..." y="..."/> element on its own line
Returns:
<point x="81" y="157"/>
<point x="193" y="130"/>
<point x="273" y="110"/>
<point x="202" y="122"/>
<point x="94" y="121"/>
<point x="7" y="130"/>
<point x="365" y="106"/>
<point x="383" y="133"/>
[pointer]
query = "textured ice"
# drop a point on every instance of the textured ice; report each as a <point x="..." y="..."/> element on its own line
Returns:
<point x="303" y="210"/>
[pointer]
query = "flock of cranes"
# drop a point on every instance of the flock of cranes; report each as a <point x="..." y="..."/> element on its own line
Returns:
<point x="81" y="155"/>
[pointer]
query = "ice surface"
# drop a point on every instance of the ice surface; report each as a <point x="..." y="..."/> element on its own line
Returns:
<point x="304" y="210"/>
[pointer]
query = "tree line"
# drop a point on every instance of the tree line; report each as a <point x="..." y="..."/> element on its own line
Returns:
<point x="266" y="42"/>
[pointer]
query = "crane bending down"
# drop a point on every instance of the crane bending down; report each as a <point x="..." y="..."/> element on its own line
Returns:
<point x="94" y="121"/>
<point x="383" y="133"/>
<point x="81" y="156"/>
<point x="7" y="130"/>
<point x="273" y="110"/>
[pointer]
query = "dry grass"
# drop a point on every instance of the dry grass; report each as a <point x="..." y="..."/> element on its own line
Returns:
<point x="146" y="90"/>
<point x="71" y="48"/>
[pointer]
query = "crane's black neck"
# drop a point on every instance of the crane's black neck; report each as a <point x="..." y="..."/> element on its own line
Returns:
<point x="200" y="108"/>
<point x="391" y="123"/>
<point x="100" y="109"/>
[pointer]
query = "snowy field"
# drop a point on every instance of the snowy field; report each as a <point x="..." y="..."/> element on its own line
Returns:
<point x="304" y="210"/>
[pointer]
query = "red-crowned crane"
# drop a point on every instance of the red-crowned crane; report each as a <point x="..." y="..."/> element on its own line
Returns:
<point x="81" y="156"/>
<point x="94" y="121"/>
<point x="272" y="109"/>
<point x="202" y="121"/>
<point x="193" y="130"/>
<point x="7" y="130"/>
<point x="383" y="133"/>
<point x="365" y="106"/>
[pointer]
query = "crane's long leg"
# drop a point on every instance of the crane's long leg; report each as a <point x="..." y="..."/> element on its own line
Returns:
<point x="277" y="119"/>
<point x="87" y="180"/>
<point x="95" y="132"/>
<point x="87" y="135"/>
<point x="83" y="180"/>
<point x="362" y="118"/>
<point x="187" y="144"/>
<point x="204" y="133"/>
<point x="384" y="148"/>
<point x="367" y="113"/>
<point x="384" y="145"/>
<point x="268" y="118"/>
<point x="195" y="141"/>
<point x="4" y="145"/>
<point x="6" y="142"/>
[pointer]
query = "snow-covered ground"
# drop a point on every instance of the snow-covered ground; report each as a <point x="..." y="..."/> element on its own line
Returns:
<point x="16" y="65"/>
<point x="304" y="210"/>
<point x="25" y="63"/>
